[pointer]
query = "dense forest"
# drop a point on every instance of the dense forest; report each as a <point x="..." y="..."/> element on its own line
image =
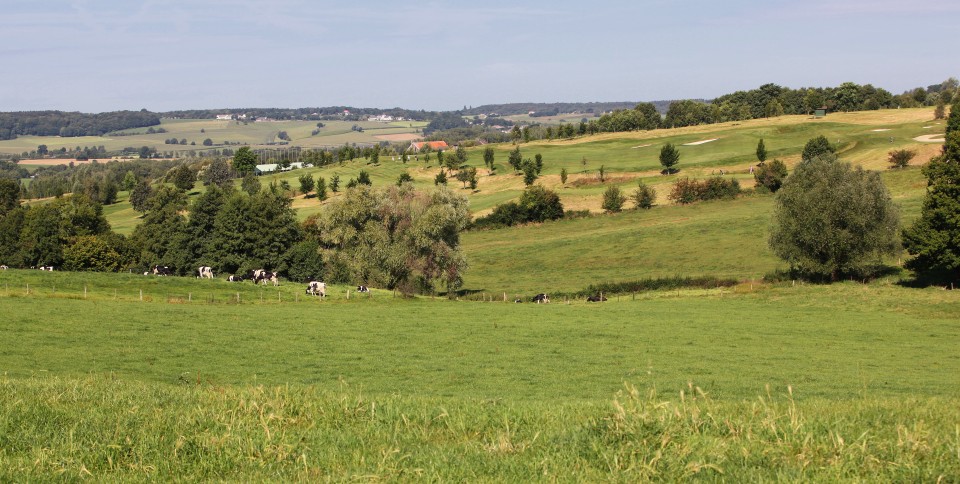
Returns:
<point x="59" y="123"/>
<point x="309" y="114"/>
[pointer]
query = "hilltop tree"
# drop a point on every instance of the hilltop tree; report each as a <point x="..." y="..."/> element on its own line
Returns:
<point x="306" y="183"/>
<point x="250" y="184"/>
<point x="363" y="178"/>
<point x="669" y="157"/>
<point x="538" y="162"/>
<point x="140" y="196"/>
<point x="321" y="188"/>
<point x="441" y="178"/>
<point x="563" y="176"/>
<point x="761" y="151"/>
<point x="9" y="195"/>
<point x="218" y="173"/>
<point x="488" y="155"/>
<point x="404" y="178"/>
<point x="244" y="160"/>
<point x="335" y="183"/>
<point x="515" y="159"/>
<point x="529" y="172"/>
<point x="129" y="181"/>
<point x="183" y="177"/>
<point x="832" y="219"/>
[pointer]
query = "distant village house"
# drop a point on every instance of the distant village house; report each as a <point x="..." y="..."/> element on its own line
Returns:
<point x="416" y="146"/>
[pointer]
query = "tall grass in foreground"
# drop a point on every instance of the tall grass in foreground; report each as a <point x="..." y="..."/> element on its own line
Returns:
<point x="107" y="430"/>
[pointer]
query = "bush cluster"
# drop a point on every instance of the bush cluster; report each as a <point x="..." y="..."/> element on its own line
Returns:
<point x="537" y="204"/>
<point x="686" y="190"/>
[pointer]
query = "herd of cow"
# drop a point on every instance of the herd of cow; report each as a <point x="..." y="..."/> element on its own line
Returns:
<point x="314" y="288"/>
<point x="258" y="276"/>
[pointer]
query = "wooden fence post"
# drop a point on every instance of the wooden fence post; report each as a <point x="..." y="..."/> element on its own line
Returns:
<point x="141" y="295"/>
<point x="84" y="291"/>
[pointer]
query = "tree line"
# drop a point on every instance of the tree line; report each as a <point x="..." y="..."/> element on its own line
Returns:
<point x="68" y="124"/>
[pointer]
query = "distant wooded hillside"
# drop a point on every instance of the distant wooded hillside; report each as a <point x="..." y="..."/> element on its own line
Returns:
<point x="59" y="123"/>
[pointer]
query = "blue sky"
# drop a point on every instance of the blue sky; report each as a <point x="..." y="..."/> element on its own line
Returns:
<point x="179" y="54"/>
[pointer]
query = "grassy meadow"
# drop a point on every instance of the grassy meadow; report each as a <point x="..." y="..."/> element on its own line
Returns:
<point x="125" y="377"/>
<point x="758" y="382"/>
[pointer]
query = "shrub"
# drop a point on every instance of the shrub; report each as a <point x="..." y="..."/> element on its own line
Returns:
<point x="770" y="175"/>
<point x="644" y="196"/>
<point x="817" y="147"/>
<point x="686" y="191"/>
<point x="900" y="158"/>
<point x="537" y="204"/>
<point x="613" y="199"/>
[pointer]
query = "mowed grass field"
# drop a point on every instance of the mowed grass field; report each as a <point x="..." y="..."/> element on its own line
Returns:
<point x="255" y="134"/>
<point x="770" y="382"/>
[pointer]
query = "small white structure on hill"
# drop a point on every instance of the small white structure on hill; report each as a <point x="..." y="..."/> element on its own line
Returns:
<point x="275" y="167"/>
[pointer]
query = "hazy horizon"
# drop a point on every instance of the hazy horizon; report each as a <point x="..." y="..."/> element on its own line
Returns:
<point x="95" y="56"/>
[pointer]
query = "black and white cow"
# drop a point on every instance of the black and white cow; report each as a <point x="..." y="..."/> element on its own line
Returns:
<point x="262" y="277"/>
<point x="205" y="272"/>
<point x="255" y="275"/>
<point x="162" y="271"/>
<point x="363" y="289"/>
<point x="3" y="268"/>
<point x="317" y="288"/>
<point x="234" y="278"/>
<point x="596" y="299"/>
<point x="46" y="268"/>
<point x="541" y="298"/>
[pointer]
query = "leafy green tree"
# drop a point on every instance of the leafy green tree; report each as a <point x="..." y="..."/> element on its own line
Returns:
<point x="304" y="261"/>
<point x="461" y="155"/>
<point x="182" y="177"/>
<point x="563" y="176"/>
<point x="934" y="238"/>
<point x="208" y="142"/>
<point x="375" y="155"/>
<point x="219" y="173"/>
<point x="488" y="157"/>
<point x="540" y="204"/>
<point x="602" y="174"/>
<point x="40" y="238"/>
<point x="644" y="196"/>
<point x="11" y="224"/>
<point x="140" y="196"/>
<point x="817" y="147"/>
<point x="900" y="158"/>
<point x="831" y="219"/>
<point x="613" y="199"/>
<point x="129" y="181"/>
<point x="529" y="172"/>
<point x="159" y="236"/>
<point x="761" y="151"/>
<point x="363" y="178"/>
<point x="91" y="253"/>
<point x="404" y="178"/>
<point x="335" y="183"/>
<point x="321" y="188"/>
<point x="538" y="162"/>
<point x="42" y="150"/>
<point x="771" y="175"/>
<point x="669" y="157"/>
<point x="515" y="159"/>
<point x="441" y="178"/>
<point x="306" y="183"/>
<point x="9" y="195"/>
<point x="773" y="109"/>
<point x="244" y="161"/>
<point x="940" y="111"/>
<point x="250" y="184"/>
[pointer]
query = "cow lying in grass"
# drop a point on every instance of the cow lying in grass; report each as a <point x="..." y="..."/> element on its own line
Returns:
<point x="596" y="299"/>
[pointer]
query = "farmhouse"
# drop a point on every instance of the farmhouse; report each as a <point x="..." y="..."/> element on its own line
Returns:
<point x="224" y="117"/>
<point x="416" y="146"/>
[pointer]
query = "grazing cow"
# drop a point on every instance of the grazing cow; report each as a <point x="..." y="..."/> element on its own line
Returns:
<point x="541" y="298"/>
<point x="46" y="268"/>
<point x="363" y="289"/>
<point x="162" y="271"/>
<point x="518" y="300"/>
<point x="3" y="268"/>
<point x="596" y="299"/>
<point x="317" y="288"/>
<point x="262" y="277"/>
<point x="256" y="275"/>
<point x="234" y="278"/>
<point x="205" y="272"/>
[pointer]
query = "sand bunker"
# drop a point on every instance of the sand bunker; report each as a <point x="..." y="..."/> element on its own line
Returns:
<point x="642" y="146"/>
<point x="930" y="138"/>
<point x="878" y="130"/>
<point x="694" y="143"/>
<point x="926" y="127"/>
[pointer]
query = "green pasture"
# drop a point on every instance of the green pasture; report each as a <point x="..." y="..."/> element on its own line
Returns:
<point x="840" y="341"/>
